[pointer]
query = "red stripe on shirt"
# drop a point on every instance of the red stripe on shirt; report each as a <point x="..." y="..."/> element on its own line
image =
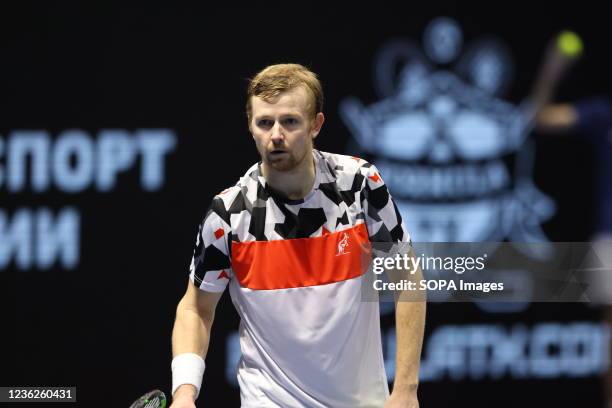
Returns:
<point x="296" y="263"/>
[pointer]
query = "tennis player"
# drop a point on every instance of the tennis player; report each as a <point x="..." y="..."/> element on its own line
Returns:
<point x="287" y="239"/>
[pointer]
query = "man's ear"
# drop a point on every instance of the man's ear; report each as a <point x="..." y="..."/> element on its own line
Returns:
<point x="318" y="124"/>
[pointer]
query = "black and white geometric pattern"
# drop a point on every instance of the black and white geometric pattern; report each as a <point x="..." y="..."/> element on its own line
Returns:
<point x="347" y="191"/>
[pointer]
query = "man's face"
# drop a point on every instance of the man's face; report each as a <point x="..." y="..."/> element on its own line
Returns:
<point x="283" y="128"/>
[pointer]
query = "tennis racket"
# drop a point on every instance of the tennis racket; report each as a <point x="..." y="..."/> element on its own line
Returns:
<point x="152" y="399"/>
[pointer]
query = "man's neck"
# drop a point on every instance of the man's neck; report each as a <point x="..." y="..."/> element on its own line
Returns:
<point x="294" y="184"/>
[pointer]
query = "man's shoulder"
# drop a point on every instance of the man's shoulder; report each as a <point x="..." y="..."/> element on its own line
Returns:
<point x="247" y="182"/>
<point x="347" y="168"/>
<point x="344" y="162"/>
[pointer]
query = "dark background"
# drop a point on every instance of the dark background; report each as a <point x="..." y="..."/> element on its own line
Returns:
<point x="105" y="326"/>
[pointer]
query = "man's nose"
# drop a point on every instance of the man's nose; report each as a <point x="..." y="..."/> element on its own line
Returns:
<point x="277" y="133"/>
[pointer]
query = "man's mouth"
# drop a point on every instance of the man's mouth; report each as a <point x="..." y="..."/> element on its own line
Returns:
<point x="277" y="152"/>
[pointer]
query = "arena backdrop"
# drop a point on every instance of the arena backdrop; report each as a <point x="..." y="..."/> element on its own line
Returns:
<point x="119" y="124"/>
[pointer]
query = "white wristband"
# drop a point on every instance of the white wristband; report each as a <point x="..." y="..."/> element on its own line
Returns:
<point x="187" y="368"/>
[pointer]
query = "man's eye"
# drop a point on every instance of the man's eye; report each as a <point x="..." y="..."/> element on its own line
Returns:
<point x="264" y="123"/>
<point x="291" y="121"/>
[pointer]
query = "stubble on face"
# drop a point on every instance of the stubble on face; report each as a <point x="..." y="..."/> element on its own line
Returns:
<point x="288" y="159"/>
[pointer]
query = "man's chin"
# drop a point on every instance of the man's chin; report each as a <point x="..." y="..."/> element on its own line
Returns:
<point x="284" y="162"/>
<point x="282" y="165"/>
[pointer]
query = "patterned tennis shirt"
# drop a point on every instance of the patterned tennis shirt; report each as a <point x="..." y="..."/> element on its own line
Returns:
<point x="295" y="270"/>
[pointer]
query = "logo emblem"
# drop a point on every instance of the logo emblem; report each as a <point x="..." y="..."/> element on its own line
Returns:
<point x="343" y="244"/>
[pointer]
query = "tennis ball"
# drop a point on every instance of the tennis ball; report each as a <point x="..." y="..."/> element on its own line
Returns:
<point x="569" y="44"/>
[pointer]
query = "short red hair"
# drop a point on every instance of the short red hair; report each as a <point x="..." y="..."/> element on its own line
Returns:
<point x="276" y="79"/>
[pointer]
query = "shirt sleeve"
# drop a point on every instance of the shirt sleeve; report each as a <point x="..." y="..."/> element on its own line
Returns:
<point x="210" y="268"/>
<point x="382" y="216"/>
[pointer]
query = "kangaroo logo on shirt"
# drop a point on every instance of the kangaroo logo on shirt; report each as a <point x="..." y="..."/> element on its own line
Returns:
<point x="343" y="244"/>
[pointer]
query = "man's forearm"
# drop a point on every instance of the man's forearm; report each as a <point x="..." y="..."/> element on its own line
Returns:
<point x="191" y="331"/>
<point x="409" y="326"/>
<point x="191" y="334"/>
<point x="194" y="318"/>
<point x="410" y="308"/>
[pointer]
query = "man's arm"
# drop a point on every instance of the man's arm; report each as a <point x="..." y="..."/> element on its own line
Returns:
<point x="191" y="334"/>
<point x="410" y="306"/>
<point x="557" y="118"/>
<point x="555" y="65"/>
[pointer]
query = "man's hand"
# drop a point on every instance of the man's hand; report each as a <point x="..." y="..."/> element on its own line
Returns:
<point x="402" y="400"/>
<point x="184" y="397"/>
<point x="182" y="403"/>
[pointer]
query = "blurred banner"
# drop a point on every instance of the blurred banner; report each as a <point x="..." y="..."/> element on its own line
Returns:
<point x="120" y="124"/>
